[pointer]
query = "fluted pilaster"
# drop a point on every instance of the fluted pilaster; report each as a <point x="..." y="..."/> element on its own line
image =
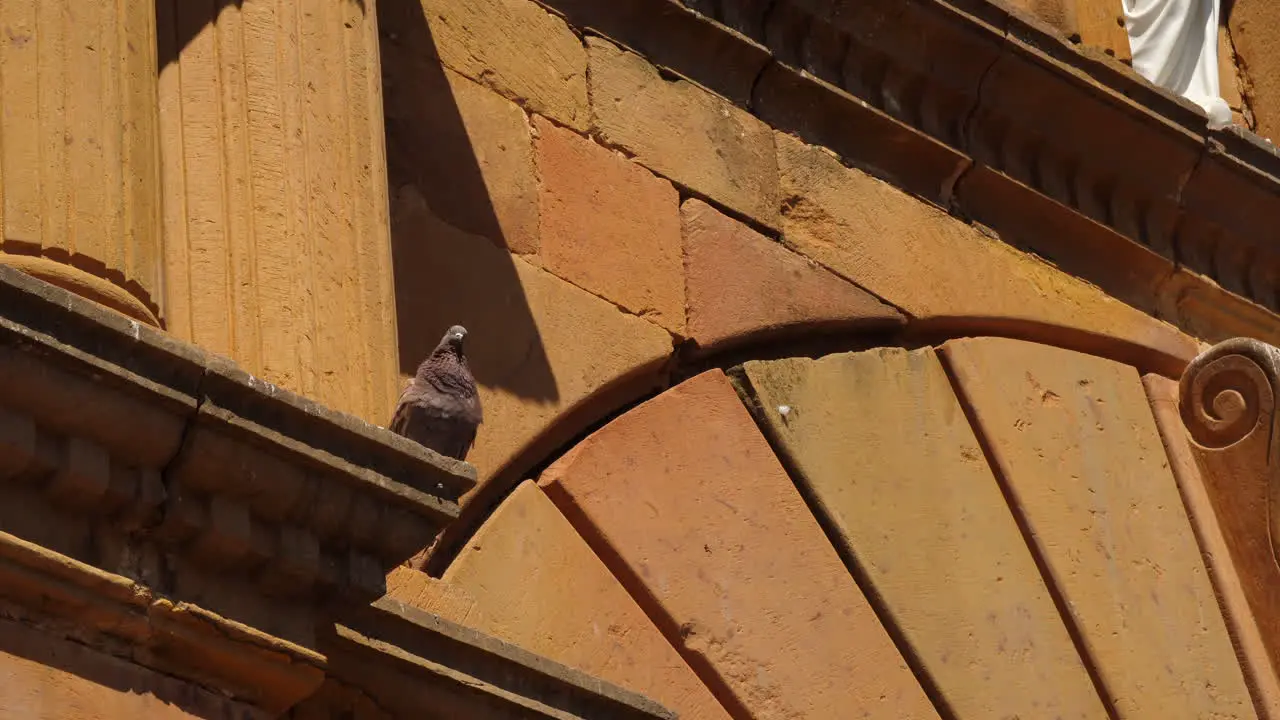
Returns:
<point x="275" y="216"/>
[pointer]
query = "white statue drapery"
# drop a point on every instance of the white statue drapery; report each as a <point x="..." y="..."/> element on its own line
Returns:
<point x="1175" y="45"/>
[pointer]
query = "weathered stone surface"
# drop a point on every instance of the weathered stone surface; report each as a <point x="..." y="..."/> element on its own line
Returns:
<point x="1101" y="25"/>
<point x="796" y="102"/>
<point x="1228" y="75"/>
<point x="1073" y="437"/>
<point x="696" y="139"/>
<point x="43" y="677"/>
<point x="924" y="63"/>
<point x="466" y="148"/>
<point x="1061" y="15"/>
<point x="673" y="36"/>
<point x="1253" y="25"/>
<point x="742" y="285"/>
<point x="688" y="502"/>
<point x="542" y="348"/>
<point x="121" y="445"/>
<point x="1245" y="631"/>
<point x="936" y="268"/>
<point x="1209" y="312"/>
<point x="1225" y="204"/>
<point x="275" y="194"/>
<point x="513" y="46"/>
<point x="1227" y="403"/>
<point x="436" y="596"/>
<point x="881" y="442"/>
<point x="566" y="605"/>
<point x="336" y="701"/>
<point x="175" y="638"/>
<point x="610" y="226"/>
<point x="1126" y="270"/>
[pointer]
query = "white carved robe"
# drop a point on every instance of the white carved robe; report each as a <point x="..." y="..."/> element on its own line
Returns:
<point x="1175" y="46"/>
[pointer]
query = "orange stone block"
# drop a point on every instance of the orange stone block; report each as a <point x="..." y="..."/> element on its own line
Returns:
<point x="610" y="226"/>
<point x="538" y="585"/>
<point x="770" y="289"/>
<point x="687" y="502"/>
<point x="515" y="47"/>
<point x="698" y="139"/>
<point x="883" y="445"/>
<point x="1073" y="438"/>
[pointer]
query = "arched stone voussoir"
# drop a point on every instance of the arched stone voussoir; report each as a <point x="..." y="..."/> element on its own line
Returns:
<point x="685" y="501"/>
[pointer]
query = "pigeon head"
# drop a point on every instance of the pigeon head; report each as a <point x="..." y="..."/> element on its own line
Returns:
<point x="452" y="339"/>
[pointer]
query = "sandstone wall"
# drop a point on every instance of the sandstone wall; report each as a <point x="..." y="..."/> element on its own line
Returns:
<point x="589" y="214"/>
<point x="615" y="203"/>
<point x="624" y="201"/>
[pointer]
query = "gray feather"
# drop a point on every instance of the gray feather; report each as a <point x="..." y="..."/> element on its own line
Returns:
<point x="440" y="407"/>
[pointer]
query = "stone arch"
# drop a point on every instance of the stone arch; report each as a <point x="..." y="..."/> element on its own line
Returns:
<point x="624" y="552"/>
<point x="824" y="325"/>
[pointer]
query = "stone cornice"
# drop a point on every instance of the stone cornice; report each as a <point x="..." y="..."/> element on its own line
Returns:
<point x="161" y="505"/>
<point x="155" y="439"/>
<point x="986" y="112"/>
<point x="162" y="501"/>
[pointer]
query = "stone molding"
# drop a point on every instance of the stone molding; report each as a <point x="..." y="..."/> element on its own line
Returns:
<point x="160" y="500"/>
<point x="986" y="111"/>
<point x="161" y="505"/>
<point x="163" y="440"/>
<point x="432" y="654"/>
<point x="1227" y="402"/>
<point x="66" y="597"/>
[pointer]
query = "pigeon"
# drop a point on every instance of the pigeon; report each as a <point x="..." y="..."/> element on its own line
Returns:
<point x="440" y="408"/>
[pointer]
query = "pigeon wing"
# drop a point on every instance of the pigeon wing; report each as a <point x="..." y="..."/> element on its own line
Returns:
<point x="447" y="434"/>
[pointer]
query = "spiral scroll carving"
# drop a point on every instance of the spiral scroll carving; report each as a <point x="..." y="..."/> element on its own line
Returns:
<point x="1228" y="392"/>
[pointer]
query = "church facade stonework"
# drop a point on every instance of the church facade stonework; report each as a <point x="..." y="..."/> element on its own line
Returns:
<point x="887" y="359"/>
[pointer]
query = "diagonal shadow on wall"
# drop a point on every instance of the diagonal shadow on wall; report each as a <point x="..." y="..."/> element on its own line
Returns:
<point x="449" y="243"/>
<point x="452" y="245"/>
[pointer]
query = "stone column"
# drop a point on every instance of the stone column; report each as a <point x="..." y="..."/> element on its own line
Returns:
<point x="79" y="173"/>
<point x="277" y="250"/>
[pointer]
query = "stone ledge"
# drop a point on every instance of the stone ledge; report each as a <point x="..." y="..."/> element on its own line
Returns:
<point x="432" y="652"/>
<point x="158" y="440"/>
<point x="404" y="658"/>
<point x="928" y="89"/>
<point x="218" y="506"/>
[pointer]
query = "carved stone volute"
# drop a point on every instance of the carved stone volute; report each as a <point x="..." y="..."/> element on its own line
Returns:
<point x="1228" y="393"/>
<point x="1227" y="399"/>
